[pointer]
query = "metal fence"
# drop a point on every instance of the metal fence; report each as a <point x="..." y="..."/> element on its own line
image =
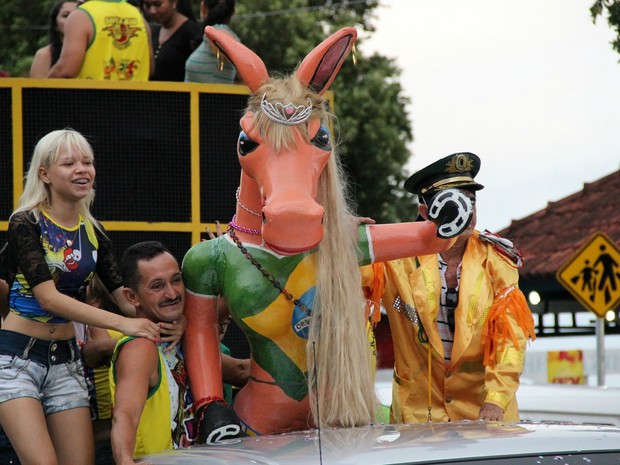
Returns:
<point x="165" y="153"/>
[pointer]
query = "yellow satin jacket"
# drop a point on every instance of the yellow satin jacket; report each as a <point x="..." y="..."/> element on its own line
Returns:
<point x="493" y="317"/>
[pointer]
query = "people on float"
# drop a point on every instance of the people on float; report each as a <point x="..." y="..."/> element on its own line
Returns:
<point x="173" y="38"/>
<point x="55" y="246"/>
<point x="151" y="402"/>
<point x="97" y="345"/>
<point x="459" y="323"/>
<point x="47" y="56"/>
<point x="206" y="64"/>
<point x="105" y="40"/>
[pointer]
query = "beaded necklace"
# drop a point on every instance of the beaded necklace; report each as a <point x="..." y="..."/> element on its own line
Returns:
<point x="231" y="232"/>
<point x="233" y="224"/>
<point x="252" y="212"/>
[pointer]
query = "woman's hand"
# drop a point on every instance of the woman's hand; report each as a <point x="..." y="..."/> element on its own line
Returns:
<point x="140" y="327"/>
<point x="218" y="231"/>
<point x="357" y="221"/>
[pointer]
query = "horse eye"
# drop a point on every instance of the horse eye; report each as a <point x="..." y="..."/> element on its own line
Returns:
<point x="322" y="140"/>
<point x="245" y="144"/>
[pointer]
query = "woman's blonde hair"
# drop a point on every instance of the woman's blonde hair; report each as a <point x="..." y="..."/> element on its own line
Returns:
<point x="37" y="194"/>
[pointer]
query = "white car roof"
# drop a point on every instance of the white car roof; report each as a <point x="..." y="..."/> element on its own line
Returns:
<point x="411" y="444"/>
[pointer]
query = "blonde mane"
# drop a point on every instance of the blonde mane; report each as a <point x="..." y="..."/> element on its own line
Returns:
<point x="344" y="378"/>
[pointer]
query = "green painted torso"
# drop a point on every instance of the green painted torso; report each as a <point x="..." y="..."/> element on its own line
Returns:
<point x="275" y="327"/>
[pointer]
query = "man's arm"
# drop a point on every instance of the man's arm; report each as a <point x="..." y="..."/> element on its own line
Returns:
<point x="235" y="371"/>
<point x="502" y="377"/>
<point x="508" y="327"/>
<point x="4" y="299"/>
<point x="151" y="54"/>
<point x="79" y="32"/>
<point x="41" y="63"/>
<point x="136" y="369"/>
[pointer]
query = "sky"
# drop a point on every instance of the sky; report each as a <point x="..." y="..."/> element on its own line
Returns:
<point x="530" y="86"/>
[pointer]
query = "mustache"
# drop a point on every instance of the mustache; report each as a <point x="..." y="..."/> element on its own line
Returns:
<point x="174" y="301"/>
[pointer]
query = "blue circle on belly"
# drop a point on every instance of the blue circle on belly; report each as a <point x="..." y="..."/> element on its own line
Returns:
<point x="300" y="319"/>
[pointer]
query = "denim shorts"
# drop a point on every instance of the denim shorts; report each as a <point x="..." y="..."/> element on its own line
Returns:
<point x="49" y="371"/>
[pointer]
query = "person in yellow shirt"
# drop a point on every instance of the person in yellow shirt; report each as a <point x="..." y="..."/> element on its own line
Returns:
<point x="105" y="40"/>
<point x="97" y="347"/>
<point x="151" y="404"/>
<point x="459" y="322"/>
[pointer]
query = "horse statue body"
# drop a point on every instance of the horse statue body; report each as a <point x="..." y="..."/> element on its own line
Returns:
<point x="288" y="266"/>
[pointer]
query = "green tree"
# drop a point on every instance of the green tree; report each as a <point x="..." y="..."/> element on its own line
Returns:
<point x="23" y="27"/>
<point x="375" y="131"/>
<point x="613" y="18"/>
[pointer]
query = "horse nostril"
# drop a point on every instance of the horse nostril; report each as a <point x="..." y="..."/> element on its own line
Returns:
<point x="264" y="218"/>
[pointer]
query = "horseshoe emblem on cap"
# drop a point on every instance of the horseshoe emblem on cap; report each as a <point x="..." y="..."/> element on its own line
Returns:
<point x="453" y="210"/>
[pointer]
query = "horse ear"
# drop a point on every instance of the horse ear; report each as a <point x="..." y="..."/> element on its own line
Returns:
<point x="321" y="65"/>
<point x="249" y="65"/>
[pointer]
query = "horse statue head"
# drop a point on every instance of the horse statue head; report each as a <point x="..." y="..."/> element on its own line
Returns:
<point x="285" y="147"/>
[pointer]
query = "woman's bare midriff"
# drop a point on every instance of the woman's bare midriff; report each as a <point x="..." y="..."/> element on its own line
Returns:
<point x="43" y="331"/>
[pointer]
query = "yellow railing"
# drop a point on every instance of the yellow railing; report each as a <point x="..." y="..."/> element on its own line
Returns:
<point x="17" y="113"/>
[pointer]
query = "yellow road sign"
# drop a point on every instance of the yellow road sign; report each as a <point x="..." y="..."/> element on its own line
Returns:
<point x="592" y="275"/>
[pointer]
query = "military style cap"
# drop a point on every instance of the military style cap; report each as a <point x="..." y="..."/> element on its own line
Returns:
<point x="454" y="171"/>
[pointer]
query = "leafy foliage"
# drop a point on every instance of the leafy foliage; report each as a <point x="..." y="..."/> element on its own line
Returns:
<point x="24" y="30"/>
<point x="613" y="19"/>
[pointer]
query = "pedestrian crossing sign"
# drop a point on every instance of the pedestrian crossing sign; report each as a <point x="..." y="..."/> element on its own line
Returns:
<point x="592" y="275"/>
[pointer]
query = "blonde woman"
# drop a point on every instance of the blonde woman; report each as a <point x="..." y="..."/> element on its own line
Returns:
<point x="55" y="246"/>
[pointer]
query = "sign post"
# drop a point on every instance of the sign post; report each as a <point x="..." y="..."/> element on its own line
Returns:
<point x="600" y="352"/>
<point x="592" y="276"/>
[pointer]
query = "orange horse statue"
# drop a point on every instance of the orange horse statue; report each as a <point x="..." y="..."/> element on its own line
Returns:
<point x="288" y="266"/>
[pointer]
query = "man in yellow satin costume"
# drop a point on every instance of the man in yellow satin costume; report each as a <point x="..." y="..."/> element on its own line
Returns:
<point x="466" y="306"/>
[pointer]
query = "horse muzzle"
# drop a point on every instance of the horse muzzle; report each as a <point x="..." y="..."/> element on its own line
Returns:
<point x="292" y="226"/>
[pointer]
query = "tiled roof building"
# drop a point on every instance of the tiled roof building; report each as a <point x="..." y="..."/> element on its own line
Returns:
<point x="550" y="237"/>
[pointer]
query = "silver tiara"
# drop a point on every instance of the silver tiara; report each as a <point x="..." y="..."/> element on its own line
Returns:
<point x="288" y="114"/>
